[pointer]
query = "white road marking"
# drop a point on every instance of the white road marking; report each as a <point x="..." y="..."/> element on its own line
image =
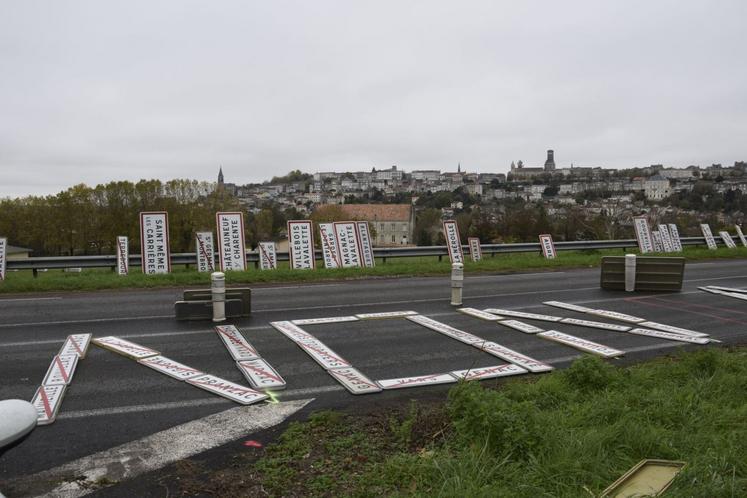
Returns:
<point x="86" y="320"/>
<point x="16" y="299"/>
<point x="157" y="450"/>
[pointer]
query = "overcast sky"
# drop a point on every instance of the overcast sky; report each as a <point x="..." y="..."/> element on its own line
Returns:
<point x="94" y="91"/>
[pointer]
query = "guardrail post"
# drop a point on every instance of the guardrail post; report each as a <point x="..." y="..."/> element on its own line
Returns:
<point x="218" y="289"/>
<point x="35" y="272"/>
<point x="457" y="282"/>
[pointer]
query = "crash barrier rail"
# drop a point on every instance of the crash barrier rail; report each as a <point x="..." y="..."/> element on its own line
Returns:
<point x="652" y="273"/>
<point x="382" y="253"/>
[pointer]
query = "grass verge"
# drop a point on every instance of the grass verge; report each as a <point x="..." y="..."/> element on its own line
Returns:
<point x="567" y="434"/>
<point x="96" y="279"/>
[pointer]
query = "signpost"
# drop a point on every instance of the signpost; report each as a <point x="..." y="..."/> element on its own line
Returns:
<point x="708" y="236"/>
<point x="741" y="235"/>
<point x="643" y="234"/>
<point x="675" y="234"/>
<point x="548" y="248"/>
<point x="301" y="245"/>
<point x="453" y="242"/>
<point x="348" y="245"/>
<point x="268" y="256"/>
<point x="154" y="242"/>
<point x="364" y="240"/>
<point x="123" y="256"/>
<point x="475" y="250"/>
<point x="205" y="252"/>
<point x="231" y="241"/>
<point x="330" y="251"/>
<point x="3" y="250"/>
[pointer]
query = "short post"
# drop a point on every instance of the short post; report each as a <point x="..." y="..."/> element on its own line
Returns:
<point x="218" y="289"/>
<point x="629" y="272"/>
<point x="457" y="282"/>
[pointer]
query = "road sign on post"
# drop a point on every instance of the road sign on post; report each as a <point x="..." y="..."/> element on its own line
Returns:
<point x="231" y="241"/>
<point x="205" y="252"/>
<point x="643" y="234"/>
<point x="3" y="251"/>
<point x="548" y="247"/>
<point x="154" y="242"/>
<point x="123" y="256"/>
<point x="453" y="242"/>
<point x="301" y="245"/>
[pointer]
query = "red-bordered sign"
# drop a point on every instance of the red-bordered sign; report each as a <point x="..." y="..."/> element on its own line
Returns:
<point x="548" y="247"/>
<point x="268" y="256"/>
<point x="76" y="344"/>
<point x="420" y="380"/>
<point x="706" y="229"/>
<point x="453" y="242"/>
<point x="675" y="234"/>
<point x="364" y="243"/>
<point x="741" y="235"/>
<point x="581" y="344"/>
<point x="330" y="251"/>
<point x="170" y="367"/>
<point x="354" y="381"/>
<point x="447" y="330"/>
<point x="125" y="348"/>
<point x="231" y="241"/>
<point x="301" y="245"/>
<point x="348" y="245"/>
<point x="230" y="390"/>
<point x="123" y="255"/>
<point x="238" y="347"/>
<point x="155" y="253"/>
<point x="515" y="357"/>
<point x="47" y="401"/>
<point x="205" y="252"/>
<point x="489" y="372"/>
<point x="643" y="234"/>
<point x="260" y="374"/>
<point x="61" y="370"/>
<point x="475" y="249"/>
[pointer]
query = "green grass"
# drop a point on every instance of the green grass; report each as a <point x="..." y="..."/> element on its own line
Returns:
<point x="94" y="279"/>
<point x="567" y="434"/>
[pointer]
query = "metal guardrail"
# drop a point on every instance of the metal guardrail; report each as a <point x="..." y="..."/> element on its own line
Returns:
<point x="190" y="258"/>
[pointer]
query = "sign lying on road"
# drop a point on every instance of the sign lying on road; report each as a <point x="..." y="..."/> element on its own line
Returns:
<point x="231" y="241"/>
<point x="453" y="242"/>
<point x="330" y="251"/>
<point x="154" y="242"/>
<point x="548" y="247"/>
<point x="482" y="315"/>
<point x="260" y="374"/>
<point x="329" y="319"/>
<point x="354" y="381"/>
<point x="76" y="344"/>
<point x="238" y="347"/>
<point x="47" y="401"/>
<point x="522" y="314"/>
<point x="123" y="256"/>
<point x="643" y="234"/>
<point x="125" y="348"/>
<point x="582" y="344"/>
<point x="385" y="315"/>
<point x="521" y="326"/>
<point x="3" y="251"/>
<point x="706" y="229"/>
<point x="421" y="380"/>
<point x="170" y="367"/>
<point x="568" y="306"/>
<point x="670" y="328"/>
<point x="268" y="256"/>
<point x="515" y="357"/>
<point x="323" y="355"/>
<point x="446" y="330"/>
<point x="614" y="315"/>
<point x="61" y="370"/>
<point x="293" y="332"/>
<point x="670" y="336"/>
<point x="301" y="245"/>
<point x="235" y="392"/>
<point x="489" y="372"/>
<point x="205" y="252"/>
<point x="596" y="325"/>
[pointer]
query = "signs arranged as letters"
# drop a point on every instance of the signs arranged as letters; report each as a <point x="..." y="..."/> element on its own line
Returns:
<point x="675" y="234"/>
<point x="170" y="367"/>
<point x="3" y="252"/>
<point x="708" y="236"/>
<point x="671" y="328"/>
<point x="301" y="245"/>
<point x="268" y="256"/>
<point x="726" y="237"/>
<point x="453" y="242"/>
<point x="666" y="238"/>
<point x="205" y="252"/>
<point x="521" y="326"/>
<point x="643" y="234"/>
<point x="154" y="242"/>
<point x="238" y="347"/>
<point x="61" y="370"/>
<point x="330" y="319"/>
<point x="260" y="374"/>
<point x="76" y="344"/>
<point x="421" y="380"/>
<point x="347" y="244"/>
<point x="569" y="306"/>
<point x="741" y="235"/>
<point x="481" y="373"/>
<point x="447" y="330"/>
<point x="582" y="344"/>
<point x="330" y="251"/>
<point x="385" y="315"/>
<point x="515" y="357"/>
<point x="221" y="387"/>
<point x="522" y="314"/>
<point x="617" y="316"/>
<point x="123" y="256"/>
<point x="231" y="243"/>
<point x="656" y="237"/>
<point x="475" y="250"/>
<point x="354" y="381"/>
<point x="548" y="247"/>
<point x="364" y="240"/>
<point x="670" y="336"/>
<point x="483" y="315"/>
<point x="596" y="325"/>
<point x="47" y="401"/>
<point x="125" y="348"/>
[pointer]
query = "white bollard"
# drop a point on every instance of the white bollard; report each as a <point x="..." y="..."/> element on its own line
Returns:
<point x="629" y="272"/>
<point x="218" y="289"/>
<point x="457" y="282"/>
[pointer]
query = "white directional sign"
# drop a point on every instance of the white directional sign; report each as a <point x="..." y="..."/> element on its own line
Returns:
<point x="515" y="357"/>
<point x="727" y="239"/>
<point x="666" y="239"/>
<point x="643" y="234"/>
<point x="421" y="380"/>
<point x="521" y="326"/>
<point x="366" y="246"/>
<point x="261" y="375"/>
<point x="741" y="235"/>
<point x="568" y="306"/>
<point x="330" y="319"/>
<point x="170" y="367"/>
<point x="596" y="325"/>
<point x="614" y="315"/>
<point x="154" y="242"/>
<point x="481" y="373"/>
<point x="670" y="328"/>
<point x="385" y="314"/>
<point x="656" y="237"/>
<point x="301" y="245"/>
<point x="675" y="235"/>
<point x="354" y="381"/>
<point x="293" y="332"/>
<point x="447" y="330"/>
<point x="205" y="252"/>
<point x="76" y="344"/>
<point x="522" y="314"/>
<point x="47" y="401"/>
<point x="670" y="336"/>
<point x="323" y="355"/>
<point x="3" y="252"/>
<point x="231" y="241"/>
<point x="475" y="250"/>
<point x="125" y="348"/>
<point x="453" y="242"/>
<point x="238" y="347"/>
<point x="482" y="315"/>
<point x="123" y="256"/>
<point x="548" y="247"/>
<point x="268" y="256"/>
<point x="348" y="245"/>
<point x="330" y="251"/>
<point x="235" y="392"/>
<point x="582" y="344"/>
<point x="708" y="236"/>
<point x="61" y="370"/>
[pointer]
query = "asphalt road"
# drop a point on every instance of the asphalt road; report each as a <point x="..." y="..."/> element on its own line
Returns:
<point x="113" y="400"/>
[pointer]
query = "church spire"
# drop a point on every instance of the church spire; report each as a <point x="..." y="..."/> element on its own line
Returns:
<point x="220" y="176"/>
<point x="459" y="167"/>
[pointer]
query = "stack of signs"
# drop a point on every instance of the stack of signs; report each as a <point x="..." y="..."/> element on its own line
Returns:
<point x="726" y="237"/>
<point x="123" y="256"/>
<point x="231" y="241"/>
<point x="268" y="256"/>
<point x="643" y="234"/>
<point x="205" y="253"/>
<point x="330" y="252"/>
<point x="548" y="247"/>
<point x="656" y="237"/>
<point x="301" y="245"/>
<point x="708" y="236"/>
<point x="48" y="398"/>
<point x="474" y="248"/>
<point x="154" y="242"/>
<point x="666" y="239"/>
<point x="453" y="242"/>
<point x="741" y="235"/>
<point x="3" y="250"/>
<point x="257" y="371"/>
<point x="675" y="234"/>
<point x="364" y="239"/>
<point x="348" y="244"/>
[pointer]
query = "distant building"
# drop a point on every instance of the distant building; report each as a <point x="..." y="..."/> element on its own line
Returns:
<point x="15" y="252"/>
<point x="550" y="161"/>
<point x="657" y="188"/>
<point x="519" y="172"/>
<point x="394" y="224"/>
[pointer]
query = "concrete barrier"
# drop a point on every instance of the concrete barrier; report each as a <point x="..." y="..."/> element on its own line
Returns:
<point x="652" y="273"/>
<point x="198" y="304"/>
